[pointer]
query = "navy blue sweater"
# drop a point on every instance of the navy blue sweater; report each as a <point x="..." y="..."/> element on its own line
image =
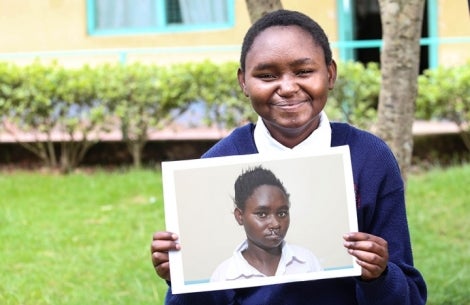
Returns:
<point x="381" y="212"/>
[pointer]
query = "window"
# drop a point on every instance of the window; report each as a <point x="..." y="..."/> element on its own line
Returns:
<point x="360" y="31"/>
<point x="108" y="17"/>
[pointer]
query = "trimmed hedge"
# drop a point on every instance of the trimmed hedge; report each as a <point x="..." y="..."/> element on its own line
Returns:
<point x="355" y="96"/>
<point x="444" y="94"/>
<point x="45" y="99"/>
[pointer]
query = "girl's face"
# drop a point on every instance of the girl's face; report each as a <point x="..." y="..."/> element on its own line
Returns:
<point x="287" y="81"/>
<point x="265" y="217"/>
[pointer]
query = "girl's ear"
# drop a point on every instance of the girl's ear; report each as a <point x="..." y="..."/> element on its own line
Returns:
<point x="241" y="81"/>
<point x="332" y="73"/>
<point x="238" y="216"/>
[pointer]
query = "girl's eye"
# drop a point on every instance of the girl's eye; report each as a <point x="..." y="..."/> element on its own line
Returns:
<point x="266" y="76"/>
<point x="283" y="214"/>
<point x="304" y="71"/>
<point x="261" y="214"/>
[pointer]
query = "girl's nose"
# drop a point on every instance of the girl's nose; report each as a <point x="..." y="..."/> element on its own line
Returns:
<point x="274" y="223"/>
<point x="287" y="85"/>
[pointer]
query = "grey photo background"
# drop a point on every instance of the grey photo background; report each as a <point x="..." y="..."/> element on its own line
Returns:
<point x="208" y="230"/>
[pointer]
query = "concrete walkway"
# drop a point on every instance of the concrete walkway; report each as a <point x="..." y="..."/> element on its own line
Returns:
<point x="203" y="133"/>
<point x="432" y="127"/>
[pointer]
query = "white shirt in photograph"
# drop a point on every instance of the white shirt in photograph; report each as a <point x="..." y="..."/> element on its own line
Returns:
<point x="294" y="260"/>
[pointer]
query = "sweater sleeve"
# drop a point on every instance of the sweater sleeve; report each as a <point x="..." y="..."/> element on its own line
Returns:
<point x="239" y="142"/>
<point x="398" y="286"/>
<point x="381" y="212"/>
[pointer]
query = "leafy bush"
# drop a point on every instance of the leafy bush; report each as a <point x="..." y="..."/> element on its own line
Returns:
<point x="9" y="82"/>
<point x="45" y="100"/>
<point x="218" y="88"/>
<point x="355" y="96"/>
<point x="141" y="98"/>
<point x="444" y="94"/>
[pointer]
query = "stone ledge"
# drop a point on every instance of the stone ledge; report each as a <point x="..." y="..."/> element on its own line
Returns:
<point x="198" y="133"/>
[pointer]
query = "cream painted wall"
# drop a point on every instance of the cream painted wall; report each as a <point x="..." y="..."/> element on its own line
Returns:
<point x="60" y="25"/>
<point x="31" y="28"/>
<point x="454" y="19"/>
<point x="323" y="12"/>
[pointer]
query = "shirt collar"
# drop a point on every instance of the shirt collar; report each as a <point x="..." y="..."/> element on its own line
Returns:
<point x="320" y="138"/>
<point x="242" y="269"/>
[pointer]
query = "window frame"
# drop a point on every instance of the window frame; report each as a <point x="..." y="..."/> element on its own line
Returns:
<point x="346" y="44"/>
<point x="162" y="27"/>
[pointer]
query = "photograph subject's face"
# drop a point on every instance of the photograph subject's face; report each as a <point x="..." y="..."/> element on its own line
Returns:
<point x="266" y="217"/>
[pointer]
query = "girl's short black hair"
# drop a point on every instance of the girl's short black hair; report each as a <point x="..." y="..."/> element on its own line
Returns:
<point x="251" y="179"/>
<point x="286" y="18"/>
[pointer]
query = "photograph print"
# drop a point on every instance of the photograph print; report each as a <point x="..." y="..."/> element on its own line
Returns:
<point x="256" y="220"/>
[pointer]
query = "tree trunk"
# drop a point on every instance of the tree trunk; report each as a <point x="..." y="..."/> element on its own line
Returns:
<point x="258" y="8"/>
<point x="137" y="154"/>
<point x="401" y="26"/>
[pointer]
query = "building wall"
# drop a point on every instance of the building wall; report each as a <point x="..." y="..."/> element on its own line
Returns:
<point x="59" y="26"/>
<point x="57" y="29"/>
<point x="454" y="22"/>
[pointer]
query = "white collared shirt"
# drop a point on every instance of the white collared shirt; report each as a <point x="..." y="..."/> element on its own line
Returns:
<point x="319" y="139"/>
<point x="294" y="260"/>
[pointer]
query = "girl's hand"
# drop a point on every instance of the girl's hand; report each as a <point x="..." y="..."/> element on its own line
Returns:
<point x="162" y="243"/>
<point x="370" y="251"/>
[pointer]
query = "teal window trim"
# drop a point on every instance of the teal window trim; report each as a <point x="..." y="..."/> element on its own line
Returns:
<point x="345" y="29"/>
<point x="122" y="53"/>
<point x="161" y="27"/>
<point x="90" y="16"/>
<point x="433" y="34"/>
<point x="347" y="44"/>
<point x="160" y="12"/>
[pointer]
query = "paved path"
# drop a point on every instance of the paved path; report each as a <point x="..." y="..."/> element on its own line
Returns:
<point x="206" y="133"/>
<point x="431" y="127"/>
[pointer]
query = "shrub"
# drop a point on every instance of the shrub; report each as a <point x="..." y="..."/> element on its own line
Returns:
<point x="355" y="96"/>
<point x="141" y="98"/>
<point x="444" y="94"/>
<point x="44" y="101"/>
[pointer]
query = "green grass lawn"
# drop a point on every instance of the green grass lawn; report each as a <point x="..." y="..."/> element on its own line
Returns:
<point x="84" y="238"/>
<point x="79" y="239"/>
<point x="439" y="219"/>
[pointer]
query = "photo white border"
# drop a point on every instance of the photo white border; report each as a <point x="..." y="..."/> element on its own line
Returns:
<point x="197" y="182"/>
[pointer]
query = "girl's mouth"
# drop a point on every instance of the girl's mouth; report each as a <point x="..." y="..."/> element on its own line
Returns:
<point x="289" y="105"/>
<point x="273" y="233"/>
